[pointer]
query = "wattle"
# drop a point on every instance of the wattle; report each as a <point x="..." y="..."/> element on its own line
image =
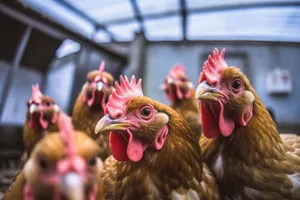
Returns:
<point x="215" y="121"/>
<point x="123" y="150"/>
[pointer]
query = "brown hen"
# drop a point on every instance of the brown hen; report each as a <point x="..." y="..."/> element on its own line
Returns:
<point x="41" y="118"/>
<point x="242" y="145"/>
<point x="155" y="153"/>
<point x="63" y="165"/>
<point x="181" y="92"/>
<point x="90" y="104"/>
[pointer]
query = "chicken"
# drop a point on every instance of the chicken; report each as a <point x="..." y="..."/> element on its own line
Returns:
<point x="41" y="118"/>
<point x="63" y="165"/>
<point x="241" y="144"/>
<point x="181" y="92"/>
<point x="90" y="104"/>
<point x="155" y="154"/>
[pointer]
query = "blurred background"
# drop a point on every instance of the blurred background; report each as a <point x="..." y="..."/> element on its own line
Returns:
<point x="56" y="42"/>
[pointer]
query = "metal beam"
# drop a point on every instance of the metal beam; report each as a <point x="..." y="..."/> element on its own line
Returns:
<point x="222" y="8"/>
<point x="138" y="15"/>
<point x="13" y="69"/>
<point x="183" y="18"/>
<point x="52" y="28"/>
<point x="86" y="17"/>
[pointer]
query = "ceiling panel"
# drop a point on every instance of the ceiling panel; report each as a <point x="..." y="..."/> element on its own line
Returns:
<point x="252" y="24"/>
<point x="124" y="32"/>
<point x="63" y="15"/>
<point x="101" y="36"/>
<point x="194" y="4"/>
<point x="104" y="11"/>
<point x="168" y="28"/>
<point x="67" y="47"/>
<point x="158" y="6"/>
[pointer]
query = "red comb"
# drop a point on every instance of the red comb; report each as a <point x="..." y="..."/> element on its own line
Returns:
<point x="213" y="67"/>
<point x="177" y="69"/>
<point x="100" y="71"/>
<point x="67" y="132"/>
<point x="122" y="94"/>
<point x="36" y="94"/>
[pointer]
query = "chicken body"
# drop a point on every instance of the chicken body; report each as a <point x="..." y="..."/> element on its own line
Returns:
<point x="41" y="118"/>
<point x="155" y="153"/>
<point x="89" y="106"/>
<point x="40" y="170"/>
<point x="181" y="93"/>
<point x="242" y="145"/>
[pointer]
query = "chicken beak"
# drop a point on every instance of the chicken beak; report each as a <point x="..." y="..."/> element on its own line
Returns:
<point x="108" y="124"/>
<point x="170" y="81"/>
<point x="33" y="108"/>
<point x="72" y="186"/>
<point x="99" y="86"/>
<point x="206" y="92"/>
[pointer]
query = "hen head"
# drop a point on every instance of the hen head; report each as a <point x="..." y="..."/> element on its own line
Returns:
<point x="136" y="123"/>
<point x="177" y="85"/>
<point x="98" y="87"/>
<point x="63" y="165"/>
<point x="41" y="109"/>
<point x="225" y="97"/>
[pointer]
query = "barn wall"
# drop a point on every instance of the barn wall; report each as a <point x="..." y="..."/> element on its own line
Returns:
<point x="261" y="58"/>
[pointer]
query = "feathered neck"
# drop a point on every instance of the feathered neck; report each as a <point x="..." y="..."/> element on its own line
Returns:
<point x="181" y="149"/>
<point x="185" y="102"/>
<point x="260" y="137"/>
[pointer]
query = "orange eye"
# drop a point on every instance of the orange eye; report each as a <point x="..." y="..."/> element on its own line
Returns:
<point x="92" y="162"/>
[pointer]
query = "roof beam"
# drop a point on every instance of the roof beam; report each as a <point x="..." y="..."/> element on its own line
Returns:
<point x="86" y="17"/>
<point x="229" y="7"/>
<point x="183" y="18"/>
<point x="137" y="14"/>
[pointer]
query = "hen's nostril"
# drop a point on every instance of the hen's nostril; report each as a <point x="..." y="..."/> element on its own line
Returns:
<point x="118" y="116"/>
<point x="115" y="116"/>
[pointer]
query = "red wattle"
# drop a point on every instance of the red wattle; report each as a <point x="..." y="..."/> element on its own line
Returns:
<point x="209" y="122"/>
<point x="118" y="147"/>
<point x="226" y="124"/>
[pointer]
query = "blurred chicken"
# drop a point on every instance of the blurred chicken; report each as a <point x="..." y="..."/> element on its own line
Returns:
<point x="62" y="166"/>
<point x="242" y="145"/>
<point x="41" y="118"/>
<point x="155" y="154"/>
<point x="181" y="92"/>
<point x="90" y="104"/>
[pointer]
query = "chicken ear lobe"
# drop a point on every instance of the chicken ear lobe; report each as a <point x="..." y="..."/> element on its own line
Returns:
<point x="246" y="115"/>
<point x="161" y="137"/>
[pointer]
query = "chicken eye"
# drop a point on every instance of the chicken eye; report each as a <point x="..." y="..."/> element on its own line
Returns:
<point x="146" y="112"/>
<point x="43" y="163"/>
<point x="236" y="85"/>
<point x="89" y="81"/>
<point x="48" y="103"/>
<point x="92" y="162"/>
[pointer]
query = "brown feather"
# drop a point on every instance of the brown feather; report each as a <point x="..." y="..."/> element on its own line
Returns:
<point x="174" y="171"/>
<point x="52" y="149"/>
<point x="85" y="118"/>
<point x="188" y="109"/>
<point x="254" y="162"/>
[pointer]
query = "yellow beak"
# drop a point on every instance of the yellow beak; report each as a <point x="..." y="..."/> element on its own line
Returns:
<point x="107" y="124"/>
<point x="206" y="92"/>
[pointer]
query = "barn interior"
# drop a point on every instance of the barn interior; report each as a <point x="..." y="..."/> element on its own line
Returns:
<point x="56" y="43"/>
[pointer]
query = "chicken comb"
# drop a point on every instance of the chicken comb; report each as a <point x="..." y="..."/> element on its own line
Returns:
<point x="100" y="71"/>
<point x="213" y="67"/>
<point x="36" y="94"/>
<point x="177" y="69"/>
<point x="67" y="132"/>
<point x="122" y="94"/>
